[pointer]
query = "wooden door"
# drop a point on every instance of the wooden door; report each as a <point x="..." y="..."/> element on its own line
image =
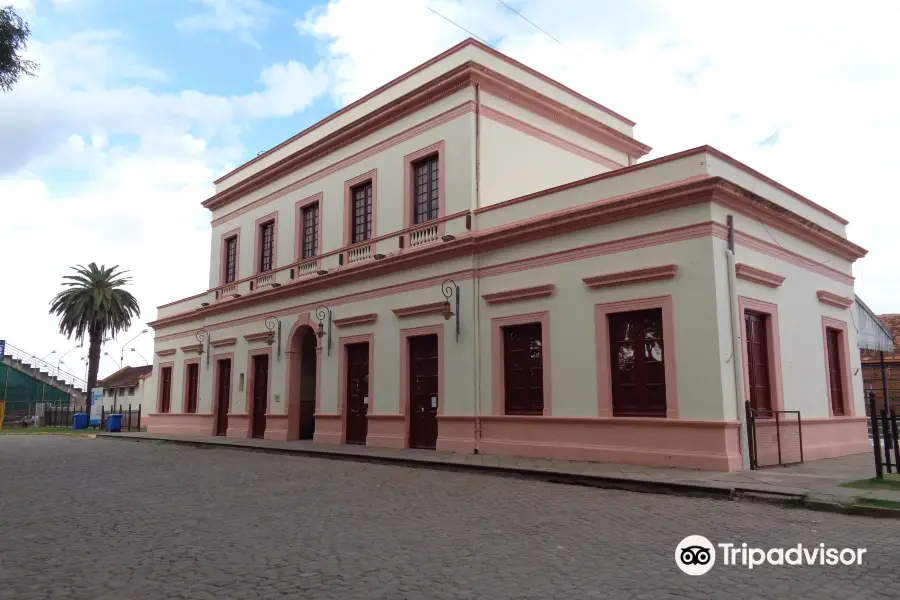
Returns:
<point x="357" y="392"/>
<point x="758" y="362"/>
<point x="835" y="378"/>
<point x="423" y="391"/>
<point x="224" y="393"/>
<point x="193" y="383"/>
<point x="308" y="385"/>
<point x="166" y="400"/>
<point x="260" y="395"/>
<point x="523" y="369"/>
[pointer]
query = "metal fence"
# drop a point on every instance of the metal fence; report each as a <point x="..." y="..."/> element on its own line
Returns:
<point x="883" y="425"/>
<point x="775" y="437"/>
<point x="65" y="417"/>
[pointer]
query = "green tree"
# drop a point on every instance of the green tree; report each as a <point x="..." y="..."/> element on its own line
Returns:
<point x="94" y="305"/>
<point x="13" y="41"/>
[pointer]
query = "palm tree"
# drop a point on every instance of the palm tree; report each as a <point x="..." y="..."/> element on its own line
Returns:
<point x="94" y="305"/>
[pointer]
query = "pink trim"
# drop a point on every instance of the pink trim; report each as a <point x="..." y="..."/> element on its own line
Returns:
<point x="748" y="241"/>
<point x="227" y="196"/>
<point x="431" y="308"/>
<point x="184" y="385"/>
<point x="537" y="291"/>
<point x="834" y="299"/>
<point x="192" y="348"/>
<point x="748" y="273"/>
<point x="167" y="352"/>
<point x="708" y="445"/>
<point x="223" y="342"/>
<point x="458" y="47"/>
<point x="301" y="231"/>
<point x="342" y="373"/>
<point x="249" y="389"/>
<point x="293" y="371"/>
<point x="366" y="319"/>
<point x="257" y="241"/>
<point x="498" y="383"/>
<point x="194" y="297"/>
<point x="257" y="337"/>
<point x="194" y="424"/>
<point x="846" y="380"/>
<point x="631" y="277"/>
<point x="544" y="136"/>
<point x="329" y="429"/>
<point x="277" y="426"/>
<point x="405" y="399"/>
<point x="773" y="342"/>
<point x="386" y="431"/>
<point x="369" y="176"/>
<point x="601" y="341"/>
<point x="238" y="424"/>
<point x="223" y="262"/>
<point x="408" y="160"/>
<point x="229" y="356"/>
<point x="159" y="388"/>
<point x="836" y="436"/>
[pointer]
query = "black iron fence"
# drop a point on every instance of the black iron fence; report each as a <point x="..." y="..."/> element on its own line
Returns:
<point x="885" y="443"/>
<point x="774" y="437"/>
<point x="64" y="416"/>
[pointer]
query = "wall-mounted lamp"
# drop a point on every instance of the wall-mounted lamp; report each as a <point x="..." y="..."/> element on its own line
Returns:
<point x="273" y="324"/>
<point x="203" y="336"/>
<point x="450" y="290"/>
<point x="448" y="238"/>
<point x="321" y="313"/>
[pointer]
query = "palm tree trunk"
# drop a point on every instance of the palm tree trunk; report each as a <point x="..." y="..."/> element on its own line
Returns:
<point x="96" y="341"/>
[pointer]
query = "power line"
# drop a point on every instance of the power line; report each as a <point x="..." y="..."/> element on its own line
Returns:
<point x="451" y="21"/>
<point x="536" y="26"/>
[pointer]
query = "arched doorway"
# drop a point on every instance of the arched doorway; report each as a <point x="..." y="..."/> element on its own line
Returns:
<point x="302" y="374"/>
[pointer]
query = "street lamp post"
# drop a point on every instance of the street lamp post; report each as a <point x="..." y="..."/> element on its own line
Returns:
<point x="60" y="361"/>
<point x="122" y="354"/>
<point x="141" y="355"/>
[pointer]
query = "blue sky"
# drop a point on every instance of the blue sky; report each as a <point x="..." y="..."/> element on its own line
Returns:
<point x="141" y="104"/>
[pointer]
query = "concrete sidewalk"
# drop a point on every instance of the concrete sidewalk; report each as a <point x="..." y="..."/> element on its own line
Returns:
<point x="815" y="484"/>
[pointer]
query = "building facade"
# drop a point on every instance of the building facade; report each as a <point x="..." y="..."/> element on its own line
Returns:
<point x="471" y="259"/>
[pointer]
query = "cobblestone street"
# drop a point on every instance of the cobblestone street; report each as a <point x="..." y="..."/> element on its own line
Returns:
<point x="94" y="519"/>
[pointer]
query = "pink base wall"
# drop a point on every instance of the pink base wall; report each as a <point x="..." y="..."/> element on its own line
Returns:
<point x="276" y="427"/>
<point x="387" y="431"/>
<point x="195" y="424"/>
<point x="329" y="429"/>
<point x="838" y="436"/>
<point x="238" y="425"/>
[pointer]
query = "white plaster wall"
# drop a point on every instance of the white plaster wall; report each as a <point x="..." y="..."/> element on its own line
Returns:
<point x="459" y="173"/>
<point x="514" y="164"/>
<point x="416" y="80"/>
<point x="804" y="377"/>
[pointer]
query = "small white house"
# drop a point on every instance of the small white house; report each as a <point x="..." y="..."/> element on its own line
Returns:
<point x="126" y="387"/>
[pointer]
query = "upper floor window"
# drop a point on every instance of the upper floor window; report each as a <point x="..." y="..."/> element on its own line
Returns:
<point x="425" y="189"/>
<point x="310" y="231"/>
<point x="231" y="259"/>
<point x="267" y="246"/>
<point x="361" y="224"/>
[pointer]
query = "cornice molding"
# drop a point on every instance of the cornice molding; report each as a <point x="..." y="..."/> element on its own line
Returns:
<point x="167" y="352"/>
<point x="421" y="309"/>
<point x="257" y="337"/>
<point x="630" y="277"/>
<point x="537" y="291"/>
<point x="223" y="342"/>
<point x="192" y="348"/>
<point x="835" y="300"/>
<point x="356" y="320"/>
<point x="748" y="273"/>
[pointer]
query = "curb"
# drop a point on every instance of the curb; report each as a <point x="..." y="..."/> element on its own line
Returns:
<point x="598" y="481"/>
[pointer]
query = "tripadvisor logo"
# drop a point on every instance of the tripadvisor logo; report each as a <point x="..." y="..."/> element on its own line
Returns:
<point x="696" y="555"/>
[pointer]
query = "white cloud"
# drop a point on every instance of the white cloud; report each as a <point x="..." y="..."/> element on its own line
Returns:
<point x="727" y="73"/>
<point x="240" y="17"/>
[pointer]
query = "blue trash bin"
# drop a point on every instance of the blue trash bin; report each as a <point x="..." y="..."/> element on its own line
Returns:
<point x="114" y="423"/>
<point x="80" y="421"/>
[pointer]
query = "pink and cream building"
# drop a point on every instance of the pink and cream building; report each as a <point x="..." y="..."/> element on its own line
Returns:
<point x="474" y="258"/>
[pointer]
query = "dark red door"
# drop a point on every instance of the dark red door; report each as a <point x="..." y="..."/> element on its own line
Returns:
<point x="523" y="369"/>
<point x="260" y="395"/>
<point x="224" y="391"/>
<point x="835" y="379"/>
<point x="357" y="392"/>
<point x="423" y="391"/>
<point x="166" y="400"/>
<point x="193" y="376"/>
<point x="758" y="362"/>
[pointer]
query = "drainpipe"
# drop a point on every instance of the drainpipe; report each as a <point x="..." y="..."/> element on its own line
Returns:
<point x="476" y="284"/>
<point x="737" y="356"/>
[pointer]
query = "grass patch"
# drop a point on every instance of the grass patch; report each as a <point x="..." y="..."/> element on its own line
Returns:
<point x="890" y="482"/>
<point x="44" y="430"/>
<point x="893" y="504"/>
